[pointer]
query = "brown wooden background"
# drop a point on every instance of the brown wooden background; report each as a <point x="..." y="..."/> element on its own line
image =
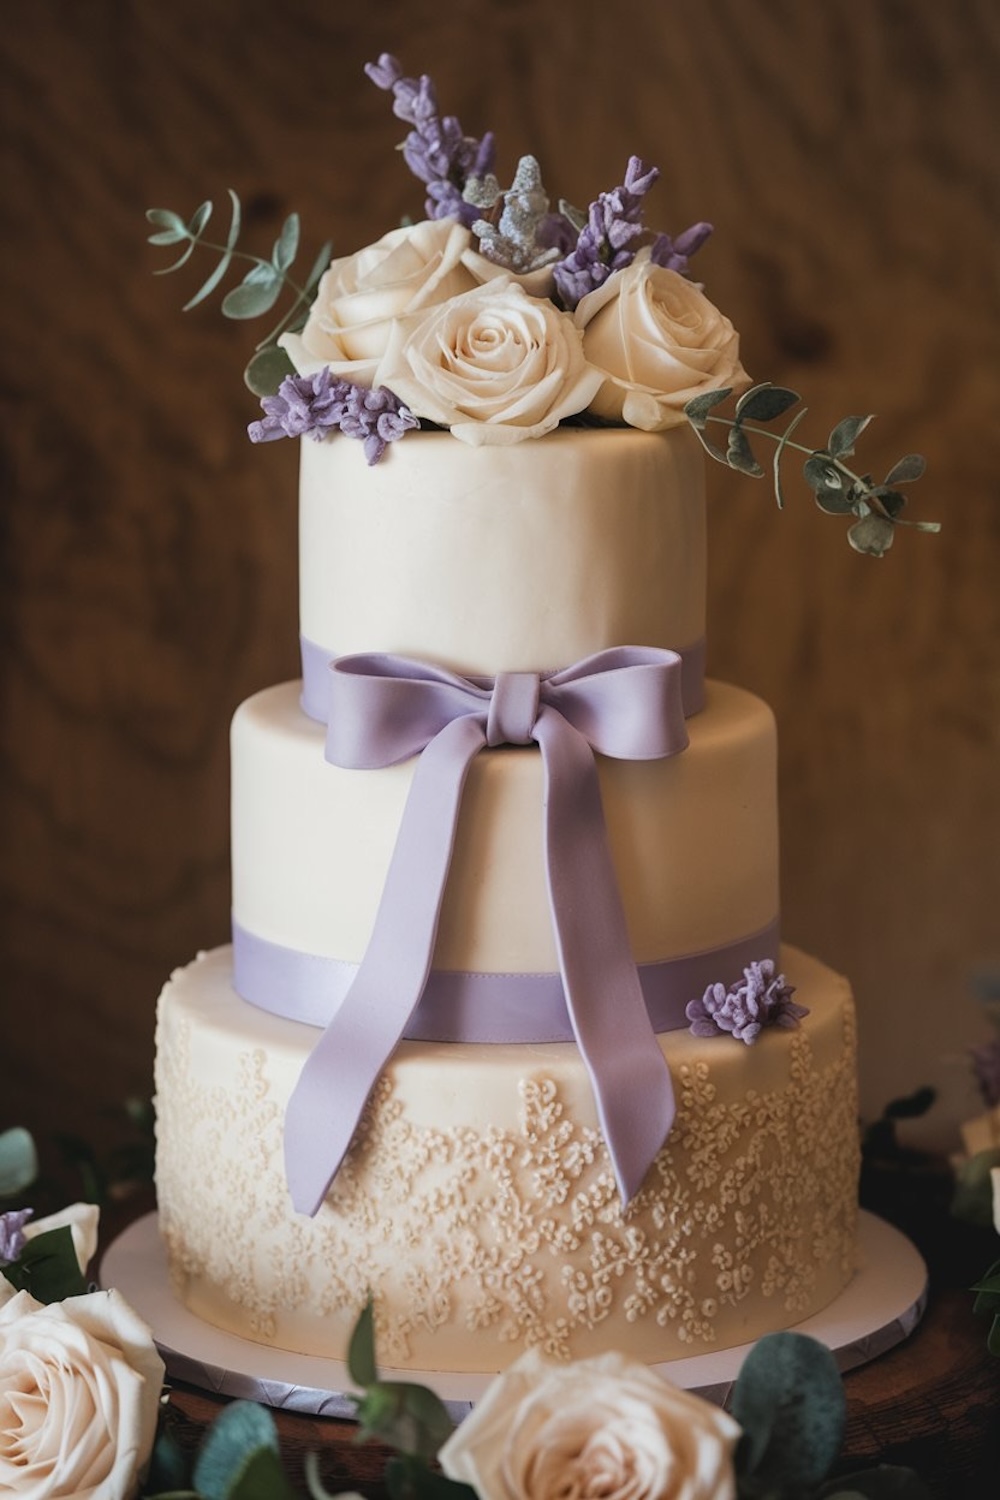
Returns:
<point x="847" y="153"/>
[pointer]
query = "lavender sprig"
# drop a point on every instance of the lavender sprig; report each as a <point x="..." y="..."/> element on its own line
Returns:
<point x="608" y="237"/>
<point x="436" y="149"/>
<point x="675" y="253"/>
<point x="313" y="405"/>
<point x="762" y="999"/>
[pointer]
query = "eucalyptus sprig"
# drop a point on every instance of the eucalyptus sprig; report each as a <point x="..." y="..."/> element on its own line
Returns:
<point x="837" y="488"/>
<point x="260" y="287"/>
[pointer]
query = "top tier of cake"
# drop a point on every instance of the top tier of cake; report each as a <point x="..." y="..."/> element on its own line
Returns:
<point x="525" y="558"/>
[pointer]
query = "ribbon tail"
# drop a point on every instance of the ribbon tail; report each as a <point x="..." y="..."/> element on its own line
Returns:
<point x="342" y="1069"/>
<point x="629" y="1074"/>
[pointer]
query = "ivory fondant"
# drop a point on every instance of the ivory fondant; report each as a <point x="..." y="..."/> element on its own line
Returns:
<point x="694" y="840"/>
<point x="519" y="559"/>
<point x="478" y="1204"/>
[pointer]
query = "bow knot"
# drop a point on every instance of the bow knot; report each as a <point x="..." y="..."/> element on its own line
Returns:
<point x="513" y="709"/>
<point x="625" y="702"/>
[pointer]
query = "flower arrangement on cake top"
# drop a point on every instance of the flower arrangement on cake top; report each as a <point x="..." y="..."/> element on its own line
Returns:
<point x="501" y="316"/>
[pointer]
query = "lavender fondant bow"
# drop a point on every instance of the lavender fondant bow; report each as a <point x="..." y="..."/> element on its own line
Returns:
<point x="625" y="703"/>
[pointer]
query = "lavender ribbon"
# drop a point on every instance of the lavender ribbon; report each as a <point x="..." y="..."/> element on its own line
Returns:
<point x="382" y="709"/>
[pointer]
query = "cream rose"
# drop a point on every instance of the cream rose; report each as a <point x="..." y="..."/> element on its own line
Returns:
<point x="80" y="1388"/>
<point x="658" y="341"/>
<point x="600" y="1429"/>
<point x="495" y="365"/>
<point x="360" y="297"/>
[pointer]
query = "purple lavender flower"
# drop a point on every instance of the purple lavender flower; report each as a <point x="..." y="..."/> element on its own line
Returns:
<point x="313" y="405"/>
<point x="609" y="239"/>
<point x="986" y="1068"/>
<point x="674" y="254"/>
<point x="436" y="150"/>
<point x="12" y="1234"/>
<point x="762" y="999"/>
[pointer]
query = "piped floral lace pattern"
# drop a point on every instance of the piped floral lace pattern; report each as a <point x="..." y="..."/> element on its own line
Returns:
<point x="515" y="1235"/>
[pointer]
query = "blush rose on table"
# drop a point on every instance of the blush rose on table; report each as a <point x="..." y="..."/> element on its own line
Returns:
<point x="600" y="1429"/>
<point x="80" y="1385"/>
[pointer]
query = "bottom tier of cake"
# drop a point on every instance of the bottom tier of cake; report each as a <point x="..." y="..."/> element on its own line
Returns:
<point x="477" y="1203"/>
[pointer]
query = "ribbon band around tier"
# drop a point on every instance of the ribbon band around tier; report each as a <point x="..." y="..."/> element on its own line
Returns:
<point x="380" y="709"/>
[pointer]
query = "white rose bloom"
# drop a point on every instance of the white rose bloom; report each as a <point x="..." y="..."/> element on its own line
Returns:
<point x="658" y="341"/>
<point x="80" y="1385"/>
<point x="361" y="296"/>
<point x="494" y="365"/>
<point x="599" y="1429"/>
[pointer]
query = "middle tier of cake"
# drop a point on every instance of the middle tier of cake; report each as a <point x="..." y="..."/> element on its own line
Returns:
<point x="693" y="837"/>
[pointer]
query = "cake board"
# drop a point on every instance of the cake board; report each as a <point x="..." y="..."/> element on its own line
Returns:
<point x="879" y="1309"/>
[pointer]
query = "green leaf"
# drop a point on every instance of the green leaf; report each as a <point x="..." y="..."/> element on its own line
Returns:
<point x="256" y="294"/>
<point x="828" y="484"/>
<point x="762" y="403"/>
<point x="18" y="1161"/>
<point x="172" y="226"/>
<point x="698" y="408"/>
<point x="739" y="454"/>
<point x="845" y="435"/>
<point x="237" y="1434"/>
<point x="361" y="1364"/>
<point x="167" y="1467"/>
<point x="408" y="1417"/>
<point x="47" y="1267"/>
<point x="286" y="246"/>
<point x="208" y="287"/>
<point x="779" y="450"/>
<point x="406" y="1478"/>
<point x="907" y="469"/>
<point x="262" y="1478"/>
<point x="789" y="1400"/>
<point x="267" y="369"/>
<point x="710" y="448"/>
<point x="871" y="535"/>
<point x="200" y="218"/>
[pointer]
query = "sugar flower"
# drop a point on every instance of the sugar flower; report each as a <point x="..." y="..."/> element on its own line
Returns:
<point x="313" y="405"/>
<point x="761" y="999"/>
<point x="436" y="150"/>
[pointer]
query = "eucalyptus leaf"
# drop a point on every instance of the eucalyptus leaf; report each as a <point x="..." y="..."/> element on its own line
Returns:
<point x="166" y="237"/>
<point x="169" y="222"/>
<point x="320" y="265"/>
<point x="256" y="294"/>
<point x="262" y="1478"/>
<point x="713" y="451"/>
<point x="828" y="484"/>
<point x="739" y="454"/>
<point x="697" y="409"/>
<point x="408" y="1417"/>
<point x="167" y="1466"/>
<point x="779" y="451"/>
<point x="236" y="1435"/>
<point x="361" y="1364"/>
<point x="789" y="1400"/>
<point x="762" y="403"/>
<point x="47" y="1267"/>
<point x="845" y="435"/>
<point x="200" y="218"/>
<point x="286" y="246"/>
<point x="267" y="369"/>
<point x="406" y="1478"/>
<point x="208" y="287"/>
<point x="18" y="1161"/>
<point x="871" y="535"/>
<point x="907" y="469"/>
